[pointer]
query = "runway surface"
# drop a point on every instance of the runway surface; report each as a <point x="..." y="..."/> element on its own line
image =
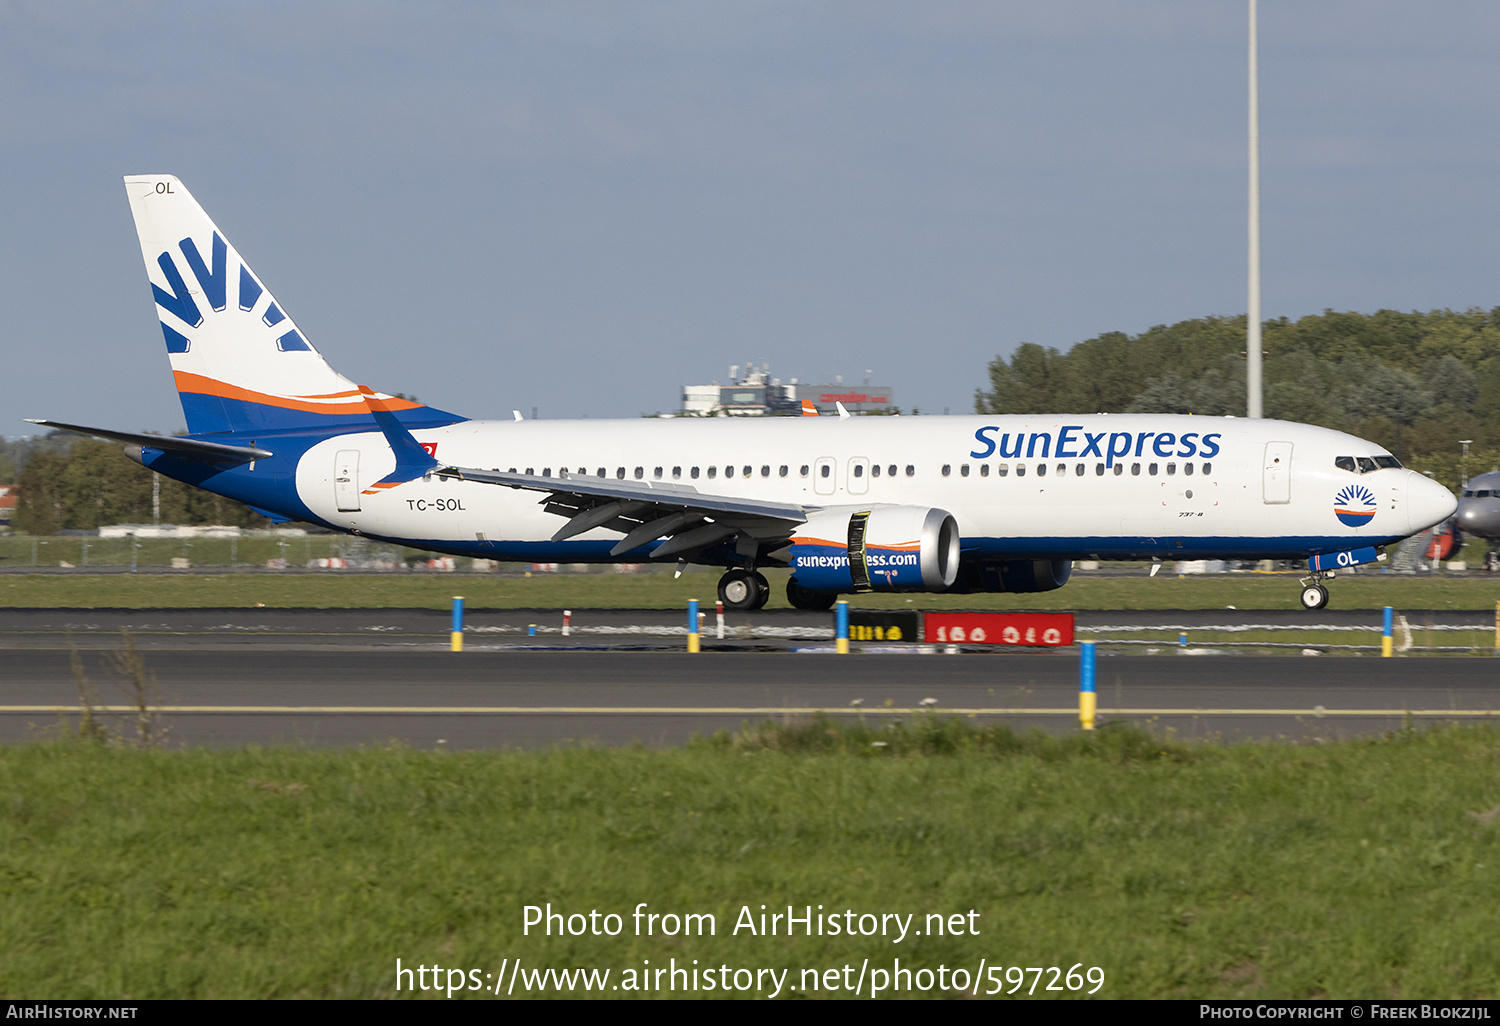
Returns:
<point x="425" y="696"/>
<point x="616" y="628"/>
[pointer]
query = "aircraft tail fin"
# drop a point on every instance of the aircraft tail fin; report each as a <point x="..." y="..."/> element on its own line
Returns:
<point x="240" y="362"/>
<point x="808" y="409"/>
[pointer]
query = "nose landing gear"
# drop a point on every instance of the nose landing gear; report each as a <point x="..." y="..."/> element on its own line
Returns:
<point x="1314" y="595"/>
<point x="744" y="590"/>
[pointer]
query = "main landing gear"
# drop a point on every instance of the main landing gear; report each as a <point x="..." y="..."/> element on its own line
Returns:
<point x="806" y="598"/>
<point x="744" y="589"/>
<point x="1314" y="595"/>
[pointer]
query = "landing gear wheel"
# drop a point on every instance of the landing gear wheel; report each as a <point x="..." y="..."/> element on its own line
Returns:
<point x="762" y="589"/>
<point x="806" y="598"/>
<point x="1314" y="596"/>
<point x="739" y="590"/>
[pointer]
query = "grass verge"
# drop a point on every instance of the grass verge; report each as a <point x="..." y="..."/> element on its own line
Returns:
<point x="1366" y="868"/>
<point x="659" y="590"/>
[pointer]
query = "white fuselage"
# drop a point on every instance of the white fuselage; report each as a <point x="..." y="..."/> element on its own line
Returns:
<point x="1018" y="486"/>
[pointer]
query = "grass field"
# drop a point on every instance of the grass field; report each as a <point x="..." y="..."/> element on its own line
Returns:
<point x="658" y="590"/>
<point x="1360" y="869"/>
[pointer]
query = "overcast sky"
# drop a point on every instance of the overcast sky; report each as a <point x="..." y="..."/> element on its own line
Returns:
<point x="583" y="206"/>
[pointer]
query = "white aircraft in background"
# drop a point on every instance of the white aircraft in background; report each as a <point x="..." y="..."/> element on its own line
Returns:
<point x="849" y="504"/>
<point x="1479" y="514"/>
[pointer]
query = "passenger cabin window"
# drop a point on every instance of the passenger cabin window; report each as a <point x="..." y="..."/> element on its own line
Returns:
<point x="963" y="471"/>
<point x="984" y="470"/>
<point x="640" y="472"/>
<point x="693" y="473"/>
<point x="1187" y="468"/>
<point x="891" y="470"/>
<point x="1208" y="468"/>
<point x="546" y="471"/>
<point x="1062" y="470"/>
<point x="530" y="470"/>
<point x="783" y="470"/>
<point x="748" y="471"/>
<point x="728" y="471"/>
<point x="803" y="471"/>
<point x="1344" y="463"/>
<point x="656" y="473"/>
<point x="1002" y="469"/>
<point x="765" y="471"/>
<point x="1119" y="469"/>
<point x="1152" y="469"/>
<point x="825" y="470"/>
<point x="1171" y="470"/>
<point x="911" y="471"/>
<point x="1135" y="470"/>
<point x="1020" y="470"/>
<point x="620" y="473"/>
<point x="859" y="470"/>
<point x="1098" y="470"/>
<point x="677" y="472"/>
<point x="875" y="470"/>
<point x="1041" y="470"/>
<point x="947" y="469"/>
<point x="603" y="472"/>
<point x="1080" y="470"/>
<point x="713" y="472"/>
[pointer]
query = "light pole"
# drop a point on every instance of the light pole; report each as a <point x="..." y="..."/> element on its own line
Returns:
<point x="1253" y="388"/>
<point x="1463" y="463"/>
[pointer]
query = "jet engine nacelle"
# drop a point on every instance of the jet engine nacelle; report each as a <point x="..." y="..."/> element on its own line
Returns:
<point x="886" y="548"/>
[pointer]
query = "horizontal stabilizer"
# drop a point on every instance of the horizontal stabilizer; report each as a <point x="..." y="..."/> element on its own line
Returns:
<point x="216" y="452"/>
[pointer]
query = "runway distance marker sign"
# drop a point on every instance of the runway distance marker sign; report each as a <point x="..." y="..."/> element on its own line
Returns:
<point x="1043" y="630"/>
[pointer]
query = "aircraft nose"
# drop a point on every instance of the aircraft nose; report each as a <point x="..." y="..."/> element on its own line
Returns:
<point x="1427" y="502"/>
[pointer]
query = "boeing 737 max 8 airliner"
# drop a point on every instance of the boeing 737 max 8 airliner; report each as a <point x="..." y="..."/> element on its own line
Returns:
<point x="850" y="504"/>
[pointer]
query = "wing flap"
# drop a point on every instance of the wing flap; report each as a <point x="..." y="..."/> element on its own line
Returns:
<point x="645" y="511"/>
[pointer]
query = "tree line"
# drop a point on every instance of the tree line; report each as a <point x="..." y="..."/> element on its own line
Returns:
<point x="1416" y="383"/>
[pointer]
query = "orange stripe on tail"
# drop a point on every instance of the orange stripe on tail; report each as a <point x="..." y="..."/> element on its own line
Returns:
<point x="330" y="404"/>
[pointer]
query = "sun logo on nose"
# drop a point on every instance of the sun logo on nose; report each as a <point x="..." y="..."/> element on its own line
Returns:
<point x="1354" y="506"/>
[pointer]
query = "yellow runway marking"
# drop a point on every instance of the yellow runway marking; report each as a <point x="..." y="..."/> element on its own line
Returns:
<point x="767" y="710"/>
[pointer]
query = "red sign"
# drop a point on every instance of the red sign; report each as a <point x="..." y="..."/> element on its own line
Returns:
<point x="1049" y="630"/>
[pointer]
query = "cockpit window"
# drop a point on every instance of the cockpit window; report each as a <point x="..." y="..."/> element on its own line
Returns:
<point x="1366" y="464"/>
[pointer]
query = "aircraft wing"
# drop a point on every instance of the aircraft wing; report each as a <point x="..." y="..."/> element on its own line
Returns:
<point x="216" y="452"/>
<point x="644" y="511"/>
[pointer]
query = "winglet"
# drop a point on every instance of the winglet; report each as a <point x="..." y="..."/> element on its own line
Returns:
<point x="412" y="461"/>
<point x="843" y="413"/>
